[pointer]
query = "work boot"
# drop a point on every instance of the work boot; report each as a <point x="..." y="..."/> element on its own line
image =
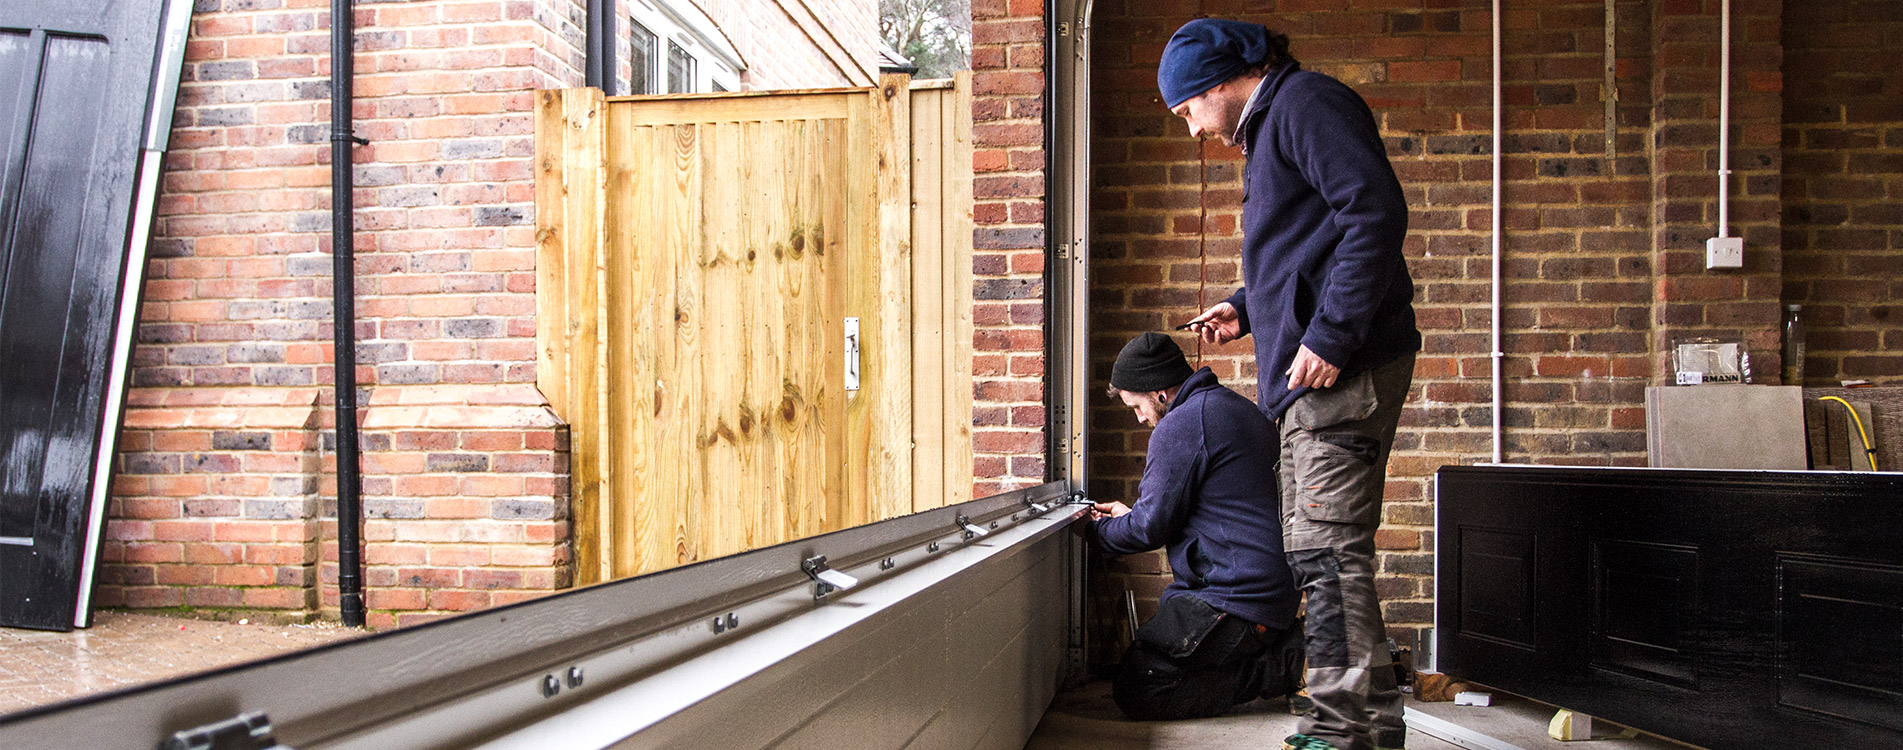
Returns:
<point x="1299" y="704"/>
<point x="1305" y="742"/>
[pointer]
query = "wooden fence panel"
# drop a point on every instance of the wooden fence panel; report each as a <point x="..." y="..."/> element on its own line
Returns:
<point x="699" y="256"/>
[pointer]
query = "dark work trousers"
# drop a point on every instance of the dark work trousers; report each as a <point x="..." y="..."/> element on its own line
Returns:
<point x="1193" y="661"/>
<point x="1335" y="444"/>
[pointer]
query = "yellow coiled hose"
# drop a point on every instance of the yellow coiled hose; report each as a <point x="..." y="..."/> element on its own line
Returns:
<point x="1868" y="452"/>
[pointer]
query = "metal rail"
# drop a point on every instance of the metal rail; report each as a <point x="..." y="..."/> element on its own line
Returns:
<point x="590" y="668"/>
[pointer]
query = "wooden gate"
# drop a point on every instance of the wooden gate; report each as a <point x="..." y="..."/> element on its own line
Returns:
<point x="701" y="261"/>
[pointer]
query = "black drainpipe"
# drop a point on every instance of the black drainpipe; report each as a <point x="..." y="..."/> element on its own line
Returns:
<point x="343" y="297"/>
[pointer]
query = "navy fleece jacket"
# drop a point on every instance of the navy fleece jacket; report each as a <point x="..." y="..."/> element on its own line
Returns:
<point x="1322" y="221"/>
<point x="1208" y="493"/>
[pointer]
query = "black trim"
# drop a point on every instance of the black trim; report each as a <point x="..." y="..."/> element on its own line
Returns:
<point x="343" y="298"/>
<point x="600" y="46"/>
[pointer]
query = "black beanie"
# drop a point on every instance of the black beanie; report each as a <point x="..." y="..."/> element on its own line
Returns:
<point x="1150" y="362"/>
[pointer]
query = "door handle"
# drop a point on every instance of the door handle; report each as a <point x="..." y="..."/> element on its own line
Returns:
<point x="852" y="354"/>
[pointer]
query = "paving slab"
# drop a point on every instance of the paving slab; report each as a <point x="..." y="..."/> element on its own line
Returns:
<point x="123" y="649"/>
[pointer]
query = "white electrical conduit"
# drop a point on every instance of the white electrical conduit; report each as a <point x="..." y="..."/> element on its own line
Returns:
<point x="1724" y="119"/>
<point x="1496" y="349"/>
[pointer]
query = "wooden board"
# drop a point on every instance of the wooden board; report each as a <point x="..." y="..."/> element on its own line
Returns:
<point x="941" y="292"/>
<point x="571" y="171"/>
<point x="698" y="259"/>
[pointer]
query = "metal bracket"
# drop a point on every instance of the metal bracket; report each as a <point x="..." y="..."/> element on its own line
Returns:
<point x="825" y="579"/>
<point x="347" y="136"/>
<point x="250" y="731"/>
<point x="972" y="530"/>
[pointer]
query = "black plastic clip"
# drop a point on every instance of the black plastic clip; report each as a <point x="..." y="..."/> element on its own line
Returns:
<point x="250" y="731"/>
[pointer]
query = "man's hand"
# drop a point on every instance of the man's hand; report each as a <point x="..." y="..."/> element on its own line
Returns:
<point x="1107" y="510"/>
<point x="1310" y="370"/>
<point x="1218" y="325"/>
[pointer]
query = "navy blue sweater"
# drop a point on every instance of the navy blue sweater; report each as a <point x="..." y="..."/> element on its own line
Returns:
<point x="1208" y="492"/>
<point x="1322" y="222"/>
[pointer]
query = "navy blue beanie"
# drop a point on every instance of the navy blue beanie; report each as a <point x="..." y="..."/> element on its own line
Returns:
<point x="1206" y="52"/>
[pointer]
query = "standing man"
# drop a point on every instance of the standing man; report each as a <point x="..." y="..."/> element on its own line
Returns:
<point x="1327" y="295"/>
<point x="1225" y="631"/>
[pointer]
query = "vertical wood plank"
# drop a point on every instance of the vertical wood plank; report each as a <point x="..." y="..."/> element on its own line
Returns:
<point x="716" y="377"/>
<point x="796" y="408"/>
<point x="592" y="340"/>
<point x="831" y="223"/>
<point x="679" y="469"/>
<point x="574" y="193"/>
<point x="857" y="281"/>
<point x="891" y="484"/>
<point x="928" y="337"/>
<point x="551" y="252"/>
<point x="958" y="301"/>
<point x="630" y="407"/>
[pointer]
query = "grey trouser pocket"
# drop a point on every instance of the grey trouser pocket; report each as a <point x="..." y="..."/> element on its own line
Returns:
<point x="1334" y="452"/>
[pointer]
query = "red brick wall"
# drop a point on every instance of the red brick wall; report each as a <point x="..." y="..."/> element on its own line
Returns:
<point x="1604" y="257"/>
<point x="466" y="500"/>
<point x="1008" y="418"/>
<point x="1843" y="185"/>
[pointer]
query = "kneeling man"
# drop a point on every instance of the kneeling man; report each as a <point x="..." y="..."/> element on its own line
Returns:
<point x="1225" y="632"/>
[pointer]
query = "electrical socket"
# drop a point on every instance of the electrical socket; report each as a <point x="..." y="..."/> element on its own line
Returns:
<point x="1724" y="252"/>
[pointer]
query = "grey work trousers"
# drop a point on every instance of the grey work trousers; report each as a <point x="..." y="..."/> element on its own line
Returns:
<point x="1335" y="444"/>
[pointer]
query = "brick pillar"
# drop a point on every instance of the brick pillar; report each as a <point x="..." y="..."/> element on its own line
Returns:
<point x="1008" y="419"/>
<point x="1690" y="301"/>
<point x="465" y="501"/>
<point x="215" y="503"/>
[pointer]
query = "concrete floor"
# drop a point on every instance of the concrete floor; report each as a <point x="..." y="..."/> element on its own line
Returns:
<point x="1085" y="719"/>
<point x="123" y="649"/>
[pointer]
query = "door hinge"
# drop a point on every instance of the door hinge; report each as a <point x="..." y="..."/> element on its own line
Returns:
<point x="250" y="731"/>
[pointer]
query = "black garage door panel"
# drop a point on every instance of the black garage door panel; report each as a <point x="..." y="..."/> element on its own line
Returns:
<point x="75" y="80"/>
<point x="1727" y="609"/>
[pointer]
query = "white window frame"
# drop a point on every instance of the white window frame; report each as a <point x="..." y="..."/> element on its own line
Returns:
<point x="716" y="62"/>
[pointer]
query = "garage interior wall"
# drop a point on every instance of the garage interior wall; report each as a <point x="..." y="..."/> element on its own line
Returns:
<point x="1603" y="239"/>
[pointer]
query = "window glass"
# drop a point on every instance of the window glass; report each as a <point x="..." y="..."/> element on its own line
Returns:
<point x="642" y="79"/>
<point x="680" y="70"/>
